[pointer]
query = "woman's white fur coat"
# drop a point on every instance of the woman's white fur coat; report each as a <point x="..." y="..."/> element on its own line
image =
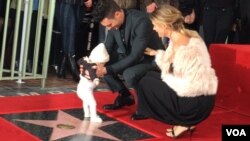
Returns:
<point x="192" y="74"/>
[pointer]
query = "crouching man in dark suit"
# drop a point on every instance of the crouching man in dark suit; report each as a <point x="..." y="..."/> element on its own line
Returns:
<point x="129" y="33"/>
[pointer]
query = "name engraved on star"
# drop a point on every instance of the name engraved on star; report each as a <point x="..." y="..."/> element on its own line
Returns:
<point x="65" y="126"/>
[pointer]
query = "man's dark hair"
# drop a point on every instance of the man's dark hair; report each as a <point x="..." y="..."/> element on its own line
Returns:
<point x="105" y="9"/>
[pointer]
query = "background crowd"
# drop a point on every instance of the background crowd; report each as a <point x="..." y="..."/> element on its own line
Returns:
<point x="217" y="21"/>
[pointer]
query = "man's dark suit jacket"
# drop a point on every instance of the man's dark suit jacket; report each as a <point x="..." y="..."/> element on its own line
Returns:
<point x="139" y="34"/>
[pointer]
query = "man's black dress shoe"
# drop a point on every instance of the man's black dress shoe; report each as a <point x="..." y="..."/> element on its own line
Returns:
<point x="137" y="116"/>
<point x="120" y="101"/>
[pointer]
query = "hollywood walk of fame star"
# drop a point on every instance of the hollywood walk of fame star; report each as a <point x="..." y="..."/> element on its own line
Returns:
<point x="67" y="125"/>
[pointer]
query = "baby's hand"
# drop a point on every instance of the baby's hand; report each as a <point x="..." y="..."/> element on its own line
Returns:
<point x="96" y="81"/>
<point x="81" y="69"/>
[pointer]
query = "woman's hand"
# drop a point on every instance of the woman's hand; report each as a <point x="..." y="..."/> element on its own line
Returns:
<point x="150" y="52"/>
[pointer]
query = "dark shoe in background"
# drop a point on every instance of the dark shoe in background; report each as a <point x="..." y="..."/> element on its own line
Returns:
<point x="62" y="68"/>
<point x="73" y="68"/>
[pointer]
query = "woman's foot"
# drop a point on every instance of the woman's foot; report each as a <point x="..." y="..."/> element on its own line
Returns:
<point x="170" y="129"/>
<point x="178" y="131"/>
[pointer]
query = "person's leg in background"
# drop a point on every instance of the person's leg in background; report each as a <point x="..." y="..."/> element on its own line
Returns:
<point x="217" y="23"/>
<point x="56" y="45"/>
<point x="2" y="15"/>
<point x="32" y="38"/>
<point x="244" y="6"/>
<point x="68" y="29"/>
<point x="209" y="25"/>
<point x="223" y="25"/>
<point x="245" y="33"/>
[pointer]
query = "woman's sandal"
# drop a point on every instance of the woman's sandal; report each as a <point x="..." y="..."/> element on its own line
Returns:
<point x="171" y="129"/>
<point x="171" y="133"/>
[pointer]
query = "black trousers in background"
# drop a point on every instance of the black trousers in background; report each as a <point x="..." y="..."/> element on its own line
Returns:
<point x="244" y="34"/>
<point x="217" y="23"/>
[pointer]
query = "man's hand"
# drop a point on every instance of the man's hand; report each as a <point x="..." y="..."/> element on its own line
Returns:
<point x="189" y="19"/>
<point x="151" y="7"/>
<point x="100" y="70"/>
<point x="88" y="3"/>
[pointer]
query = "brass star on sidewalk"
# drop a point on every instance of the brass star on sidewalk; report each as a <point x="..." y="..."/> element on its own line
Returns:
<point x="67" y="125"/>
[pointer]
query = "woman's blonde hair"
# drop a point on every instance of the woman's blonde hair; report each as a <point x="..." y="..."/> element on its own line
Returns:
<point x="172" y="17"/>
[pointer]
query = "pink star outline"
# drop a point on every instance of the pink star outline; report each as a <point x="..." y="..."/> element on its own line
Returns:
<point x="76" y="125"/>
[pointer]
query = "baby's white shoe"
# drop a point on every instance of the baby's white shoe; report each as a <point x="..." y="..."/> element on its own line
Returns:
<point x="95" y="119"/>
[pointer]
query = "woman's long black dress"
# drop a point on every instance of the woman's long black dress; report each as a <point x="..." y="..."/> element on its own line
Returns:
<point x="157" y="100"/>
